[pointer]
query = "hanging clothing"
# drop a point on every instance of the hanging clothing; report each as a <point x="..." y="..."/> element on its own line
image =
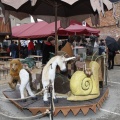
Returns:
<point x="102" y="7"/>
<point x="95" y="19"/>
<point x="114" y="1"/>
<point x="33" y="2"/>
<point x="13" y="3"/>
<point x="98" y="6"/>
<point x="108" y="4"/>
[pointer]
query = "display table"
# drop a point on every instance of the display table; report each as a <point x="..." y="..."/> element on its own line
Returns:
<point x="4" y="53"/>
<point x="36" y="57"/>
<point x="5" y="58"/>
<point x="117" y="59"/>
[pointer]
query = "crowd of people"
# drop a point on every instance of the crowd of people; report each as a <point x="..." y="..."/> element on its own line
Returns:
<point x="92" y="43"/>
<point x="24" y="51"/>
<point x="34" y="48"/>
<point x="45" y="47"/>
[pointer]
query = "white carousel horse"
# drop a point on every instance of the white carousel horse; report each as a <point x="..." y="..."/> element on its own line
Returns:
<point x="48" y="73"/>
<point x="26" y="83"/>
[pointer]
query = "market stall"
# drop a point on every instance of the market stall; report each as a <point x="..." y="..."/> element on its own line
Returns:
<point x="117" y="59"/>
<point x="77" y="29"/>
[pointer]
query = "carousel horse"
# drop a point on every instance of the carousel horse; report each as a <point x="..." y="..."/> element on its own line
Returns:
<point x="21" y="76"/>
<point x="48" y="74"/>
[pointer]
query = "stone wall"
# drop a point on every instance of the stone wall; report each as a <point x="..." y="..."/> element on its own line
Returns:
<point x="112" y="31"/>
<point x="108" y="23"/>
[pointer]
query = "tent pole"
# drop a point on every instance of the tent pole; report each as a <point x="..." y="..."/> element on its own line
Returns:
<point x="19" y="46"/>
<point x="56" y="41"/>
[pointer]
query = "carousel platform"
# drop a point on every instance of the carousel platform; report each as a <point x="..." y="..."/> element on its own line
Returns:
<point x="63" y="105"/>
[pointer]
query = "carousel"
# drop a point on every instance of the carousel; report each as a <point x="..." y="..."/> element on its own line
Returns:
<point x="83" y="87"/>
<point x="65" y="84"/>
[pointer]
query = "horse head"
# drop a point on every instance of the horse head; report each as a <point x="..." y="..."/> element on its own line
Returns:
<point x="62" y="62"/>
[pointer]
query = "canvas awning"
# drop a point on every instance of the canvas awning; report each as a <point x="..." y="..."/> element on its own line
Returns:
<point x="28" y="30"/>
<point x="16" y="30"/>
<point x="43" y="29"/>
<point x="77" y="29"/>
<point x="35" y="30"/>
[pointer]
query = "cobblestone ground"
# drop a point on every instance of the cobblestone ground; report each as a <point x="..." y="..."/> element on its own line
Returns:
<point x="110" y="109"/>
<point x="6" y="107"/>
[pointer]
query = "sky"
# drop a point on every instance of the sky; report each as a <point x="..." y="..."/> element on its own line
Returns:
<point x="32" y="20"/>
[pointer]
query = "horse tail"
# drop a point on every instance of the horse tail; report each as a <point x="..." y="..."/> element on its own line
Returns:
<point x="30" y="80"/>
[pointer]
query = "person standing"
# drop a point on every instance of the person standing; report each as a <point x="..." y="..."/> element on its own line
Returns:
<point x="111" y="56"/>
<point x="48" y="47"/>
<point x="17" y="51"/>
<point x="30" y="47"/>
<point x="38" y="48"/>
<point x="13" y="49"/>
<point x="102" y="47"/>
<point x="1" y="48"/>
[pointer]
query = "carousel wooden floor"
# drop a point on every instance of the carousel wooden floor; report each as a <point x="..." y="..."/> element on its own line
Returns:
<point x="63" y="105"/>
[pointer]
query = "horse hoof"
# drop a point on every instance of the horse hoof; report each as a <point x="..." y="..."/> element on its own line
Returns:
<point x="46" y="102"/>
<point x="24" y="100"/>
<point x="34" y="98"/>
<point x="55" y="100"/>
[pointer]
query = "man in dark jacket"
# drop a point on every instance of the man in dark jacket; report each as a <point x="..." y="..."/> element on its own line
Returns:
<point x="111" y="56"/>
<point x="38" y="48"/>
<point x="48" y="47"/>
<point x="13" y="49"/>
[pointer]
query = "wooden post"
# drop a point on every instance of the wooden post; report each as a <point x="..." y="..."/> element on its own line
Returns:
<point x="19" y="46"/>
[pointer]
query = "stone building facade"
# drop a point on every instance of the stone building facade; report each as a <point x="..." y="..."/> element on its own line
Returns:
<point x="110" y="23"/>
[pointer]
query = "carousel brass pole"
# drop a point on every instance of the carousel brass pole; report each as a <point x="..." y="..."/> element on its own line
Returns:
<point x="105" y="70"/>
<point x="51" y="100"/>
<point x="56" y="42"/>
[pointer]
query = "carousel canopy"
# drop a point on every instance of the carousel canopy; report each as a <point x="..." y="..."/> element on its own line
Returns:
<point x="65" y="10"/>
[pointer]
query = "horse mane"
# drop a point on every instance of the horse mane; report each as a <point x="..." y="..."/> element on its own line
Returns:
<point x="51" y="60"/>
<point x="49" y="64"/>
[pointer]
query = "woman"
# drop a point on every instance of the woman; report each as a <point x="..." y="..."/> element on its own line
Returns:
<point x="48" y="47"/>
<point x="30" y="47"/>
<point x="111" y="56"/>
